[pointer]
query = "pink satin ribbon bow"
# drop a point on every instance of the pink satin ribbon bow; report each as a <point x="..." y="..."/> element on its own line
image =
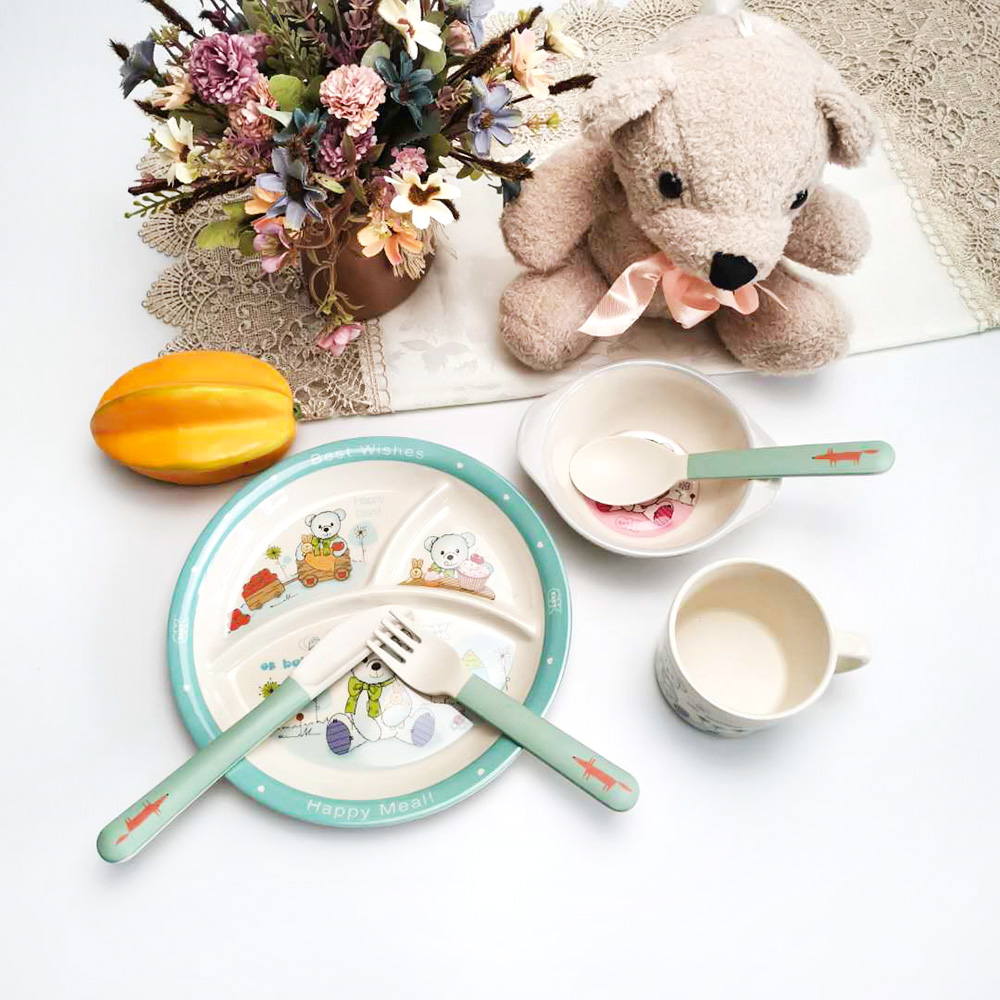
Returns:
<point x="689" y="299"/>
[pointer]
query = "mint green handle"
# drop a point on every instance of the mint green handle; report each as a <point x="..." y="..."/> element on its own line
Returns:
<point x="142" y="821"/>
<point x="843" y="458"/>
<point x="597" y="776"/>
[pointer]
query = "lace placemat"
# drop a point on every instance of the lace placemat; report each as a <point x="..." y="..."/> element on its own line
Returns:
<point x="930" y="68"/>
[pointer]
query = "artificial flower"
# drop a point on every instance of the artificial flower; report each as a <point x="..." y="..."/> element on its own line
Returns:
<point x="173" y="95"/>
<point x="491" y="118"/>
<point x="296" y="198"/>
<point x="510" y="189"/>
<point x="526" y="63"/>
<point x="423" y="201"/>
<point x="258" y="43"/>
<point x="353" y="94"/>
<point x="450" y="98"/>
<point x="138" y="66"/>
<point x="260" y="201"/>
<point x="309" y="127"/>
<point x="558" y="41"/>
<point x="473" y="13"/>
<point x="336" y="341"/>
<point x="387" y="233"/>
<point x="458" y="38"/>
<point x="407" y="19"/>
<point x="176" y="139"/>
<point x="222" y="68"/>
<point x="407" y="85"/>
<point x="330" y="155"/>
<point x="249" y="119"/>
<point x="408" y="158"/>
<point x="274" y="244"/>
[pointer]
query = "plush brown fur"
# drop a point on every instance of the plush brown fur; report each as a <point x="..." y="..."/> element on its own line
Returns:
<point x="746" y="123"/>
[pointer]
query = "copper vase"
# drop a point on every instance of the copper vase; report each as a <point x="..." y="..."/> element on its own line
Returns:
<point x="368" y="283"/>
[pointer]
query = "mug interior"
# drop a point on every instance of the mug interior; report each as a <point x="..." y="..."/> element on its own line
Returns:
<point x="752" y="640"/>
<point x="665" y="402"/>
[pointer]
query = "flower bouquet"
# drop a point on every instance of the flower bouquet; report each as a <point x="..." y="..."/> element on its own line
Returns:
<point x="345" y="122"/>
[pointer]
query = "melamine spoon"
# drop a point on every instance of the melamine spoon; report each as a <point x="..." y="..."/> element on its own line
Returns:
<point x="628" y="469"/>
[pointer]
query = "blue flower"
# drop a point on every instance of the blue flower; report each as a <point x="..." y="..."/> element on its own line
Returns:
<point x="407" y="85"/>
<point x="510" y="189"/>
<point x="298" y="199"/>
<point x="311" y="126"/>
<point x="473" y="14"/>
<point x="491" y="118"/>
<point x="138" y="66"/>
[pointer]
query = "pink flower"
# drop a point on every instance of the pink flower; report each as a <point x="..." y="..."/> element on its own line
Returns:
<point x="408" y="158"/>
<point x="222" y="67"/>
<point x="526" y="63"/>
<point x="458" y="38"/>
<point x="258" y="43"/>
<point x="336" y="341"/>
<point x="248" y="119"/>
<point x="331" y="157"/>
<point x="274" y="244"/>
<point x="353" y="94"/>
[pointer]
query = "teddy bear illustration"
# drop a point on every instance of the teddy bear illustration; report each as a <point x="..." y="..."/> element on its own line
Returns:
<point x="379" y="707"/>
<point x="448" y="552"/>
<point x="699" y="172"/>
<point x="323" y="554"/>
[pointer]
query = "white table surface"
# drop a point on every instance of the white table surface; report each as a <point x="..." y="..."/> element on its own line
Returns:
<point x="851" y="852"/>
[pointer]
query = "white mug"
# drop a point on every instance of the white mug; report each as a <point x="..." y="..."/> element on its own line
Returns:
<point x="747" y="645"/>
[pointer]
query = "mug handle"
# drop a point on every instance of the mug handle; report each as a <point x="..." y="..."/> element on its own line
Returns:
<point x="853" y="651"/>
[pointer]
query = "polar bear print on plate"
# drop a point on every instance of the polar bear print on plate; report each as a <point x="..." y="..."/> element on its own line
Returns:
<point x="379" y="707"/>
<point x="448" y="552"/>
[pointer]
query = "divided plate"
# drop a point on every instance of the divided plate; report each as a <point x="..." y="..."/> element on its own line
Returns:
<point x="336" y="530"/>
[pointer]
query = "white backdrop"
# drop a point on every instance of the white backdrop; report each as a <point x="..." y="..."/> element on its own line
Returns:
<point x="849" y="853"/>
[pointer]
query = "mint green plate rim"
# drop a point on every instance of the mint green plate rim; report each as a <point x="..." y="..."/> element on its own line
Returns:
<point x="395" y="809"/>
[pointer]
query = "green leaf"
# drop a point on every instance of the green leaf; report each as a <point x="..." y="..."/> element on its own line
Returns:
<point x="359" y="190"/>
<point x="288" y="91"/>
<point x="434" y="61"/>
<point x="203" y="121"/>
<point x="377" y="50"/>
<point x="437" y="147"/>
<point x="310" y="96"/>
<point x="224" y="233"/>
<point x="251" y="11"/>
<point x="246" y="243"/>
<point x="430" y="123"/>
<point x="235" y="210"/>
<point x="325" y="180"/>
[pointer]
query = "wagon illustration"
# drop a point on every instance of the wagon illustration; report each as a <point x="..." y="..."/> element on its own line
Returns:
<point x="325" y="562"/>
<point x="262" y="587"/>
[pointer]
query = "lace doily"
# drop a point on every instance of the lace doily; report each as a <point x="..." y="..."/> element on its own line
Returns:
<point x="930" y="68"/>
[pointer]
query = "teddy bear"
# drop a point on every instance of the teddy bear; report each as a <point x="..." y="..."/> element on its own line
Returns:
<point x="698" y="176"/>
<point x="448" y="552"/>
<point x="324" y="539"/>
<point x="379" y="707"/>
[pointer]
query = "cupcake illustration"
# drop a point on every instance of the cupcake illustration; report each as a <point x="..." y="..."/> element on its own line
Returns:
<point x="474" y="572"/>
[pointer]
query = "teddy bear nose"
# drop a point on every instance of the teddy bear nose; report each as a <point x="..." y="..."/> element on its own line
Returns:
<point x="730" y="271"/>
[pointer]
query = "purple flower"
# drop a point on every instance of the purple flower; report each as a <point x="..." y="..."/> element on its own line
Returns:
<point x="330" y="157"/>
<point x="296" y="198"/>
<point x="138" y="66"/>
<point x="222" y="68"/>
<point x="491" y="118"/>
<point x="473" y="14"/>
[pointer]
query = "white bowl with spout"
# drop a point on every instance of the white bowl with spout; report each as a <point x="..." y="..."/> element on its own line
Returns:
<point x="667" y="402"/>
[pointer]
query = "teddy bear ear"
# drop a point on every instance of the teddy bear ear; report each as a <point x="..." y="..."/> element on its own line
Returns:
<point x="849" y="119"/>
<point x="626" y="93"/>
<point x="341" y="513"/>
<point x="429" y="542"/>
<point x="469" y="538"/>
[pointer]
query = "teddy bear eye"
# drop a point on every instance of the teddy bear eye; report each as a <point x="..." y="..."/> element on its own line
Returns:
<point x="670" y="185"/>
<point x="800" y="199"/>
